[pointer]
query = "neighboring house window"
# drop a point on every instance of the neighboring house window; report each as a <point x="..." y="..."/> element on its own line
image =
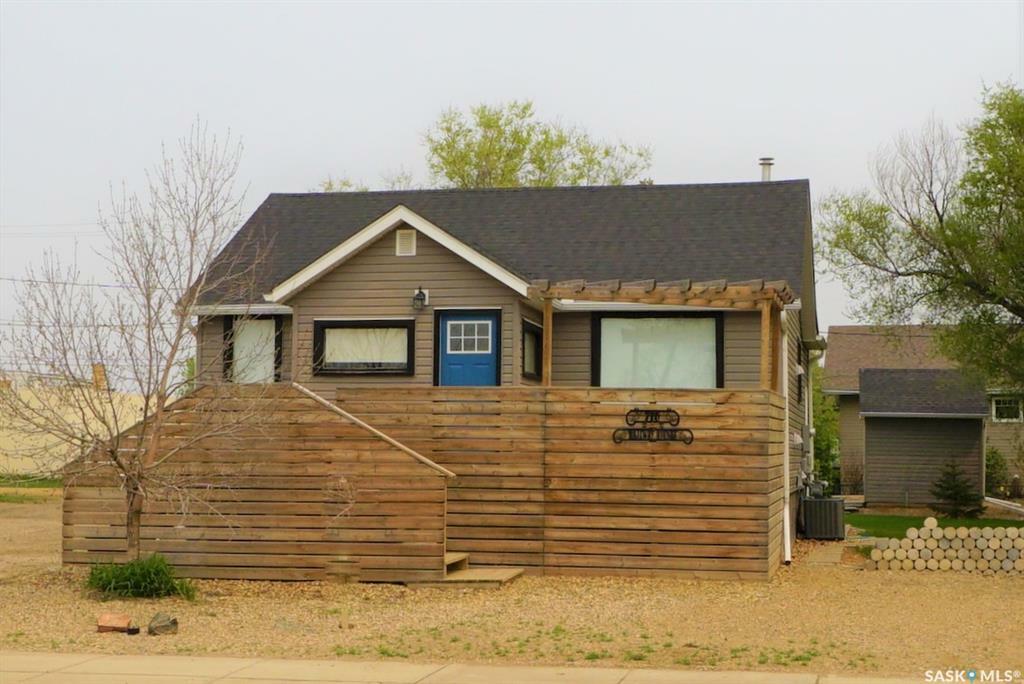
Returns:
<point x="533" y="339"/>
<point x="1007" y="409"/>
<point x="252" y="348"/>
<point x="677" y="350"/>
<point x="363" y="347"/>
<point x="469" y="337"/>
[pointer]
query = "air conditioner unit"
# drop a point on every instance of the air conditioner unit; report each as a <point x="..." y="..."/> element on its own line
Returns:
<point x="823" y="518"/>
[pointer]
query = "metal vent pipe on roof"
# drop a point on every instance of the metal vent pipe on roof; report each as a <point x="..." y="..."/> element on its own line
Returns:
<point x="766" y="168"/>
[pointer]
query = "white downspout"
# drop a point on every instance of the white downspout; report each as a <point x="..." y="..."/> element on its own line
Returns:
<point x="787" y="533"/>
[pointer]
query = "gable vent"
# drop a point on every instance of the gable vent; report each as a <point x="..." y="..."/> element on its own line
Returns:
<point x="405" y="243"/>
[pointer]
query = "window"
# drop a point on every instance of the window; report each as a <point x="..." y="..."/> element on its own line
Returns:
<point x="533" y="340"/>
<point x="1007" y="409"/>
<point x="252" y="349"/>
<point x="363" y="347"/>
<point x="650" y="350"/>
<point x="405" y="242"/>
<point x="469" y="337"/>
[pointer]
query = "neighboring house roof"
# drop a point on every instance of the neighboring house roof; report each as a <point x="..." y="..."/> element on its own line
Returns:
<point x="730" y="231"/>
<point x="853" y="347"/>
<point x="920" y="392"/>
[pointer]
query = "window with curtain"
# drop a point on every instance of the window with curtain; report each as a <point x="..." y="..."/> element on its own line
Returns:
<point x="363" y="347"/>
<point x="668" y="352"/>
<point x="253" y="353"/>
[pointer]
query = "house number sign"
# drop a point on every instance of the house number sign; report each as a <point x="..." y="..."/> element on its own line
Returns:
<point x="652" y="425"/>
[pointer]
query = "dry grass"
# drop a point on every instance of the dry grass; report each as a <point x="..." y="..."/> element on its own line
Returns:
<point x="820" y="619"/>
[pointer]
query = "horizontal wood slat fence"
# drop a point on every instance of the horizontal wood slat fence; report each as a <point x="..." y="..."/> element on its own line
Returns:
<point x="283" y="498"/>
<point x="541" y="484"/>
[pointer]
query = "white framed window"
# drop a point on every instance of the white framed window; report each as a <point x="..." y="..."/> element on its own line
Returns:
<point x="533" y="345"/>
<point x="469" y="337"/>
<point x="669" y="351"/>
<point x="1007" y="409"/>
<point x="363" y="347"/>
<point x="405" y="242"/>
<point x="252" y="349"/>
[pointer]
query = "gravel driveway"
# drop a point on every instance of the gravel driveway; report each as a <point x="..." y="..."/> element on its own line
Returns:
<point x="822" y="619"/>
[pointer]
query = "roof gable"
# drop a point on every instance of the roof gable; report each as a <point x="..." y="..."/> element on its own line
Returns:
<point x="398" y="216"/>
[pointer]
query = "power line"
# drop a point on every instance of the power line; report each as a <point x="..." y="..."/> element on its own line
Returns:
<point x="4" y="234"/>
<point x="48" y="225"/>
<point x="33" y="281"/>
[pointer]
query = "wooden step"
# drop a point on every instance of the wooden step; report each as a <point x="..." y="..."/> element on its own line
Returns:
<point x="455" y="561"/>
<point x="482" y="578"/>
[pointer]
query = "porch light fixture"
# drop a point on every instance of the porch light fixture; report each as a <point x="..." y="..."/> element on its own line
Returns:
<point x="419" y="300"/>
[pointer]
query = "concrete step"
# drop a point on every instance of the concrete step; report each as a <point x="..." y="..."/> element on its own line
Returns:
<point x="482" y="578"/>
<point x="455" y="561"/>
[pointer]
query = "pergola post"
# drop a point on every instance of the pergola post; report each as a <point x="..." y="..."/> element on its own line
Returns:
<point x="546" y="344"/>
<point x="766" y="345"/>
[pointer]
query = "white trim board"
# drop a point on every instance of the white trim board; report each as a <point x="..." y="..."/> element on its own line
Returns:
<point x="397" y="216"/>
<point x="879" y="414"/>
<point x="240" y="309"/>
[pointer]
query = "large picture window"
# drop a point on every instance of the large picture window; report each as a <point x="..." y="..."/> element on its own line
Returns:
<point x="652" y="350"/>
<point x="363" y="347"/>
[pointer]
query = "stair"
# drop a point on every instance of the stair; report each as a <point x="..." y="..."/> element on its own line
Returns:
<point x="455" y="561"/>
<point x="459" y="574"/>
<point x="478" y="578"/>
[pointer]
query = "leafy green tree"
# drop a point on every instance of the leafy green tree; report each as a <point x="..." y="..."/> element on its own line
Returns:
<point x="955" y="495"/>
<point x="941" y="238"/>
<point x="826" y="433"/>
<point x="505" y="146"/>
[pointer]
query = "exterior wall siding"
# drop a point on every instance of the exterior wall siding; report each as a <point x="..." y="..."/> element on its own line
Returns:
<point x="377" y="284"/>
<point x="1008" y="438"/>
<point x="851" y="444"/>
<point x="904" y="456"/>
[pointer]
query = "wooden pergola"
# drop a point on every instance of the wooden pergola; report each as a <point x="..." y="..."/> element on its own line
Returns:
<point x="767" y="296"/>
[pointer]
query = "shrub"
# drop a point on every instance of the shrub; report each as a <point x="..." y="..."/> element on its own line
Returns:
<point x="997" y="472"/>
<point x="150" y="577"/>
<point x="955" y="495"/>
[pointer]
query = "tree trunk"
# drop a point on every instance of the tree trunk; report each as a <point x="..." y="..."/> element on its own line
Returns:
<point x="133" y="525"/>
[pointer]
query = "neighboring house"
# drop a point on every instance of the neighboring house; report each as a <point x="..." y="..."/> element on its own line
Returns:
<point x="26" y="451"/>
<point x="605" y="370"/>
<point x="915" y="422"/>
<point x="852" y="348"/>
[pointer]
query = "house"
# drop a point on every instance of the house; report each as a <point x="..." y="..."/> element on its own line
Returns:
<point x="852" y="349"/>
<point x="615" y="376"/>
<point x="26" y="449"/>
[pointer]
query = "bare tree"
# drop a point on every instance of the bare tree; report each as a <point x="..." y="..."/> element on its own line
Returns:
<point x="100" y="369"/>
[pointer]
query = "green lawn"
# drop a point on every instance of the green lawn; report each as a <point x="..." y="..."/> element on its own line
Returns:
<point x="30" y="481"/>
<point x="897" y="525"/>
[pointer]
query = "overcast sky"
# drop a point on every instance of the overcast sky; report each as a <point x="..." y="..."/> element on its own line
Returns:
<point x="89" y="91"/>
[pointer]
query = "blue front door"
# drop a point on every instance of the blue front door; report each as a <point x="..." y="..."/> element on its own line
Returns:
<point x="468" y="348"/>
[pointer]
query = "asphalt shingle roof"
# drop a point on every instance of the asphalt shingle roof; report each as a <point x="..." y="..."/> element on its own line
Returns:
<point x="920" y="391"/>
<point x="732" y="231"/>
<point x="852" y="347"/>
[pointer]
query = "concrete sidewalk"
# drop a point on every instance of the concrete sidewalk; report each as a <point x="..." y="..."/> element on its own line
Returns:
<point x="66" y="668"/>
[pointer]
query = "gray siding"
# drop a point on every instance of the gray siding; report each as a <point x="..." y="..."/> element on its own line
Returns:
<point x="1008" y="438"/>
<point x="851" y="444"/>
<point x="904" y="456"/>
<point x="377" y="284"/>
